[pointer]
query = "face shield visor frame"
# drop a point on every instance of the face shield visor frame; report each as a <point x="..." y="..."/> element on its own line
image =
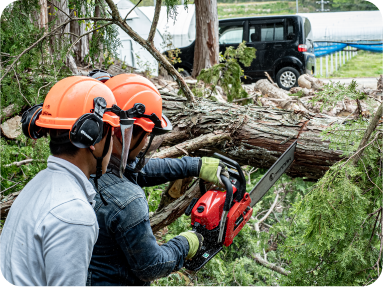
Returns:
<point x="158" y="130"/>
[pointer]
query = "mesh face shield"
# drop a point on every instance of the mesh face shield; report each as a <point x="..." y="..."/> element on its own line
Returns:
<point x="148" y="153"/>
<point x="126" y="128"/>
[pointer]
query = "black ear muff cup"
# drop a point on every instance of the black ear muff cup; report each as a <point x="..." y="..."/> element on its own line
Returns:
<point x="86" y="131"/>
<point x="28" y="123"/>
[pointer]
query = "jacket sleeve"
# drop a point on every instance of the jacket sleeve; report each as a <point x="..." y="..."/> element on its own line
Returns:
<point x="158" y="171"/>
<point x="146" y="258"/>
<point x="67" y="247"/>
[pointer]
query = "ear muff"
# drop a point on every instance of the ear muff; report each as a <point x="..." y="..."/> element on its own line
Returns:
<point x="86" y="131"/>
<point x="28" y="122"/>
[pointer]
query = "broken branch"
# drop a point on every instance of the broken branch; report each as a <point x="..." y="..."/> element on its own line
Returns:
<point x="192" y="145"/>
<point x="153" y="28"/>
<point x="269" y="265"/>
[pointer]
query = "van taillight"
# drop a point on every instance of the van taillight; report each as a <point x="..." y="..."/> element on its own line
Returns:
<point x="302" y="48"/>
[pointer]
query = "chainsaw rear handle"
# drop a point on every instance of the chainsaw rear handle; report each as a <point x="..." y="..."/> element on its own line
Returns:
<point x="241" y="177"/>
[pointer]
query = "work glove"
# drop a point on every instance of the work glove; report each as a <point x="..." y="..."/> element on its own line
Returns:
<point x="211" y="169"/>
<point x="195" y="242"/>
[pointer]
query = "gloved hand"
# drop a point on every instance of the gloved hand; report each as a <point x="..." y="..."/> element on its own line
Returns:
<point x="195" y="242"/>
<point x="210" y="170"/>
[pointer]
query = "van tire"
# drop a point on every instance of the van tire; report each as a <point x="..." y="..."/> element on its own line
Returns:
<point x="287" y="78"/>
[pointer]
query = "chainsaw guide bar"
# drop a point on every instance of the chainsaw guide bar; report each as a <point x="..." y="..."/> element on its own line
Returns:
<point x="273" y="174"/>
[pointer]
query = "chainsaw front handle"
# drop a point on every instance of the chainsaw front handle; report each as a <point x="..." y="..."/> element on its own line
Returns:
<point x="229" y="192"/>
<point x="226" y="206"/>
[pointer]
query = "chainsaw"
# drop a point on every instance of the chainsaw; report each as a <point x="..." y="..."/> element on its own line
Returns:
<point x="219" y="216"/>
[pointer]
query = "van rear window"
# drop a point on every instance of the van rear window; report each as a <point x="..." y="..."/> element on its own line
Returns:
<point x="267" y="32"/>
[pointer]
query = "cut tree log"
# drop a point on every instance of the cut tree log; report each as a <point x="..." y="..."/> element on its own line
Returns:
<point x="8" y="111"/>
<point x="316" y="84"/>
<point x="259" y="135"/>
<point x="12" y="127"/>
<point x="272" y="92"/>
<point x="303" y="82"/>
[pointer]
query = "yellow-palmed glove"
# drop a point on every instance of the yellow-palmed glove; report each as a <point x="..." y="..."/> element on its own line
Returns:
<point x="195" y="242"/>
<point x="211" y="170"/>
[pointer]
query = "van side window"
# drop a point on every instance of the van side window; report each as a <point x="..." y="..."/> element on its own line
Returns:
<point x="290" y="29"/>
<point x="230" y="34"/>
<point x="267" y="32"/>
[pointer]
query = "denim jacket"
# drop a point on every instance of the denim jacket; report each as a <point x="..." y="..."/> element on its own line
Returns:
<point x="126" y="252"/>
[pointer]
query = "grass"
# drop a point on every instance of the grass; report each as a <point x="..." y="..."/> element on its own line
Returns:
<point x="364" y="64"/>
<point x="248" y="9"/>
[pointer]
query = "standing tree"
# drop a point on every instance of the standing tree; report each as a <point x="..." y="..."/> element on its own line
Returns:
<point x="206" y="49"/>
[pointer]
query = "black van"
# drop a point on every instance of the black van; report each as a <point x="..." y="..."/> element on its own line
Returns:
<point x="283" y="43"/>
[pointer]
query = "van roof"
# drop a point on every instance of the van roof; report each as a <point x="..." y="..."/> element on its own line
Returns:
<point x="260" y="17"/>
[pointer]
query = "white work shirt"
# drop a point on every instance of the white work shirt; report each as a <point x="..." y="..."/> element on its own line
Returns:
<point x="50" y="231"/>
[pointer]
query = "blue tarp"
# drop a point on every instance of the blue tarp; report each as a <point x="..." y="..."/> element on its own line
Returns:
<point x="377" y="48"/>
<point x="326" y="48"/>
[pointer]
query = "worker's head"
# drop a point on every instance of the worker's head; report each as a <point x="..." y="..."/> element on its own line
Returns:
<point x="74" y="115"/>
<point x="142" y="101"/>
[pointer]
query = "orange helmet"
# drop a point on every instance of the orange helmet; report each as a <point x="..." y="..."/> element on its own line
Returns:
<point x="131" y="90"/>
<point x="71" y="98"/>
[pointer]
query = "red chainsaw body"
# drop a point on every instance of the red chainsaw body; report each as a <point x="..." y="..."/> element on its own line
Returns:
<point x="237" y="217"/>
<point x="208" y="211"/>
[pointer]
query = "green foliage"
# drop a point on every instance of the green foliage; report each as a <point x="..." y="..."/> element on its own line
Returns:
<point x="39" y="69"/>
<point x="335" y="236"/>
<point x="14" y="178"/>
<point x="227" y="73"/>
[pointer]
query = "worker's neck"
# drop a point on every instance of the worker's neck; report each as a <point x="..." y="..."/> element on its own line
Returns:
<point x="83" y="160"/>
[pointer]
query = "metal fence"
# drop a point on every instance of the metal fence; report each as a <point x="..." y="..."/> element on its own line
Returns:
<point x="330" y="63"/>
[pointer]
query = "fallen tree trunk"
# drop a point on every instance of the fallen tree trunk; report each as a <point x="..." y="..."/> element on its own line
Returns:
<point x="259" y="135"/>
<point x="171" y="212"/>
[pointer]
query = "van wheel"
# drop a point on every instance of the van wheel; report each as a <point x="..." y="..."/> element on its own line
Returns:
<point x="287" y="78"/>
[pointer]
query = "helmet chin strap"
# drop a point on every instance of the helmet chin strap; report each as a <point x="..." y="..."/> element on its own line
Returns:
<point x="99" y="163"/>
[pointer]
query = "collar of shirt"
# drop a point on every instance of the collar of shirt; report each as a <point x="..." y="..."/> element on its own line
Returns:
<point x="62" y="165"/>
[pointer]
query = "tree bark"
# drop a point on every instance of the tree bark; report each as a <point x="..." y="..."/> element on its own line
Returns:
<point x="259" y="135"/>
<point x="206" y="50"/>
<point x="43" y="16"/>
<point x="82" y="47"/>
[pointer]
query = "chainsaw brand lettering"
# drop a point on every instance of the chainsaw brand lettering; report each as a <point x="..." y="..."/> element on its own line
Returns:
<point x="85" y="134"/>
<point x="281" y="169"/>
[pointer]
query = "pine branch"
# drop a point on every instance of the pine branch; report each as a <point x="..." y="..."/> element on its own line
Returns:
<point x="370" y="129"/>
<point x="48" y="34"/>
